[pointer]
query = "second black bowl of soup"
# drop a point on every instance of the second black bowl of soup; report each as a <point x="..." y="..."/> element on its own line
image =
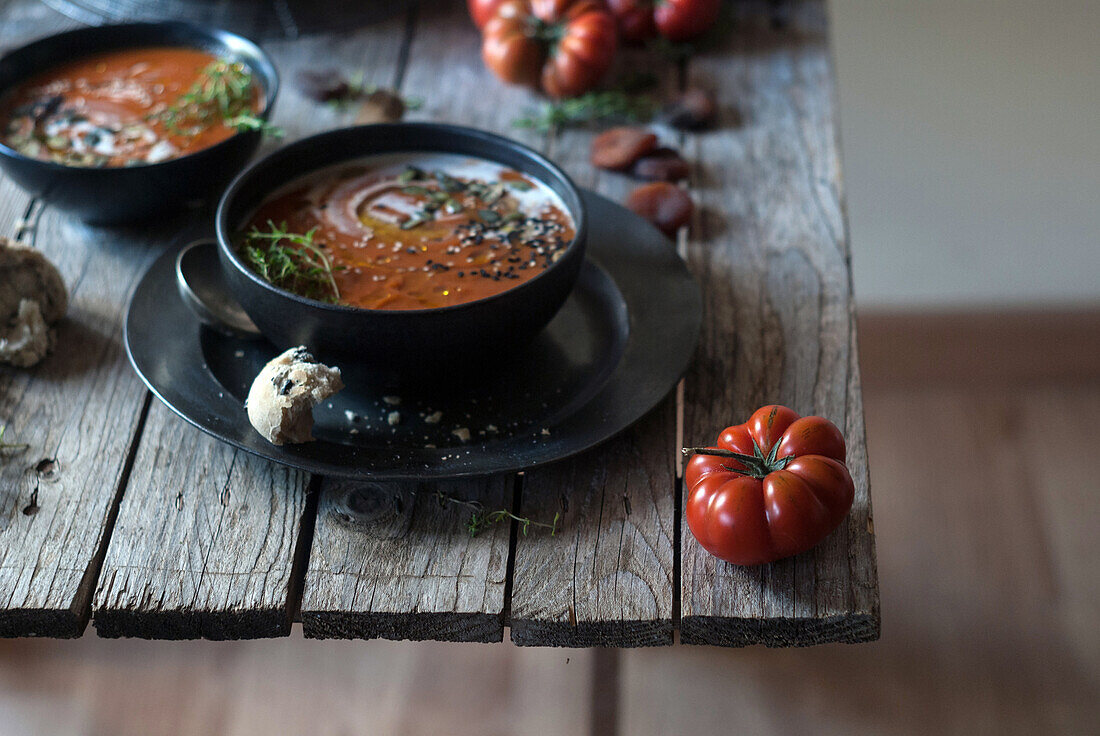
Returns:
<point x="122" y="122"/>
<point x="415" y="249"/>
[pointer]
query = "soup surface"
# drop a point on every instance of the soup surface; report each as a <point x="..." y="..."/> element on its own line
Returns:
<point x="130" y="106"/>
<point x="407" y="231"/>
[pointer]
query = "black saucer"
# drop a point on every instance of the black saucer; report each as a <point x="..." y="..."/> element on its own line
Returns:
<point x="617" y="347"/>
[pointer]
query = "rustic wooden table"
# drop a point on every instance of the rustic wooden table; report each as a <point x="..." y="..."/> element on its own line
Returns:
<point x="121" y="513"/>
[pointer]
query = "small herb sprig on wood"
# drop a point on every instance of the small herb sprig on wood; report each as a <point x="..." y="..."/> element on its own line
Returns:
<point x="292" y="261"/>
<point x="592" y="107"/>
<point x="480" y="519"/>
<point x="222" y="93"/>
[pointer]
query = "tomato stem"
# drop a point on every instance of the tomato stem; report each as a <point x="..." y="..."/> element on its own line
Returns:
<point x="548" y="33"/>
<point x="756" y="466"/>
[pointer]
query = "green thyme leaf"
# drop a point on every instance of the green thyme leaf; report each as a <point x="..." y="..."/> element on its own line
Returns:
<point x="591" y="107"/>
<point x="291" y="261"/>
<point x="222" y="92"/>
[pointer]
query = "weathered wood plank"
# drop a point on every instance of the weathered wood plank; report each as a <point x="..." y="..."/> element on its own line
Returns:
<point x="430" y="581"/>
<point x="770" y="246"/>
<point x="392" y="561"/>
<point x="205" y="541"/>
<point x="77" y="412"/>
<point x="605" y="579"/>
<point x="445" y="70"/>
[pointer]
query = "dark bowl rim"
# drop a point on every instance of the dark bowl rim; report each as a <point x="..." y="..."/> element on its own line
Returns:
<point x="270" y="76"/>
<point x="576" y="210"/>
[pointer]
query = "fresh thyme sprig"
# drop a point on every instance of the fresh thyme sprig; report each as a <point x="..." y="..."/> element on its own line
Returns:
<point x="222" y="92"/>
<point x="591" y="107"/>
<point x="292" y="261"/>
<point x="480" y="519"/>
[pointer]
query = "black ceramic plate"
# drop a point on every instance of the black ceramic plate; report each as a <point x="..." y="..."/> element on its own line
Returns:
<point x="617" y="347"/>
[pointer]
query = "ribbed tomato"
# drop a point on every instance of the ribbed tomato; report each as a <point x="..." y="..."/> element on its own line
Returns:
<point x="562" y="46"/>
<point x="773" y="487"/>
<point x="635" y="18"/>
<point x="683" y="20"/>
<point x="482" y="10"/>
<point x="676" y="20"/>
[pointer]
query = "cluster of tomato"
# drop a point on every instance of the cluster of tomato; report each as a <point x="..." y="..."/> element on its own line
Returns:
<point x="564" y="47"/>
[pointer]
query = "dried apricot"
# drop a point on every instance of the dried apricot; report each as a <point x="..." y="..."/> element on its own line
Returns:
<point x="664" y="164"/>
<point x="618" y="148"/>
<point x="694" y="109"/>
<point x="665" y="205"/>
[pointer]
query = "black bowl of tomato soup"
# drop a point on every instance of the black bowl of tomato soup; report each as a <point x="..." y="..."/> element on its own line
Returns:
<point x="123" y="122"/>
<point x="416" y="250"/>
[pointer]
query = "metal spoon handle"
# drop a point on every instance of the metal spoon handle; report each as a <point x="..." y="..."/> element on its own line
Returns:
<point x="203" y="289"/>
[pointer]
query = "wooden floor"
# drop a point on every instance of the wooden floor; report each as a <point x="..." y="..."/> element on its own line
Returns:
<point x="988" y="526"/>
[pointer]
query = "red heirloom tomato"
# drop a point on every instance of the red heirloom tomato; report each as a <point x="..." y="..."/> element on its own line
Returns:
<point x="564" y="46"/>
<point x="774" y="486"/>
<point x="635" y="19"/>
<point x="676" y="20"/>
<point x="482" y="10"/>
<point x="683" y="20"/>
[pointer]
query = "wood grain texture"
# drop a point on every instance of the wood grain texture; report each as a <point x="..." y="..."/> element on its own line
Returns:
<point x="445" y="71"/>
<point x="770" y="247"/>
<point x="78" y="412"/>
<point x="417" y="574"/>
<point x="205" y="541"/>
<point x="606" y="578"/>
<point x="391" y="561"/>
<point x="57" y="495"/>
<point x="28" y="606"/>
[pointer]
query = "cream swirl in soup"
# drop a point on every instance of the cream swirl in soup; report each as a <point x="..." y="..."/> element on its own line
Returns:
<point x="407" y="231"/>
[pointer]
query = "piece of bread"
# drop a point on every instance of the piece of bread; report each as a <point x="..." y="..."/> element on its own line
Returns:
<point x="32" y="298"/>
<point x="281" y="400"/>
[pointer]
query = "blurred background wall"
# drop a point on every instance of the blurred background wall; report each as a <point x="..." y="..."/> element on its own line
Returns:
<point x="971" y="144"/>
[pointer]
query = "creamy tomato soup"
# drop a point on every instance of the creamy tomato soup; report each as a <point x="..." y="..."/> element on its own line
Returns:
<point x="407" y="231"/>
<point x="130" y="106"/>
